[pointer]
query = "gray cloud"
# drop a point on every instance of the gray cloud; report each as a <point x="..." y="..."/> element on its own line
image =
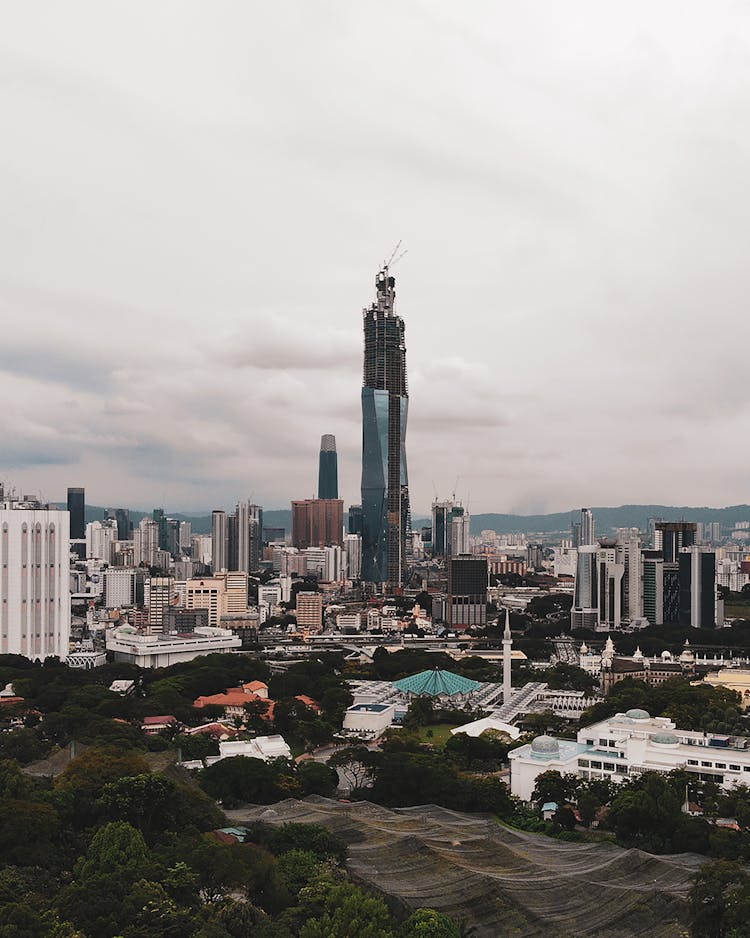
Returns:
<point x="186" y="247"/>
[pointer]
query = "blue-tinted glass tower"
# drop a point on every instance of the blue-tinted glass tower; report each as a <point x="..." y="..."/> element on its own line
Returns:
<point x="328" y="470"/>
<point x="385" y="400"/>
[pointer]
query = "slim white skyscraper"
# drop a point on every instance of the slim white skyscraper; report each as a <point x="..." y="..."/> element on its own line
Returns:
<point x="34" y="586"/>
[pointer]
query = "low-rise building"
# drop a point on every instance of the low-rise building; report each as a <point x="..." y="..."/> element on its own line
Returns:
<point x="266" y="748"/>
<point x="161" y="650"/>
<point x="369" y="719"/>
<point x="736" y="679"/>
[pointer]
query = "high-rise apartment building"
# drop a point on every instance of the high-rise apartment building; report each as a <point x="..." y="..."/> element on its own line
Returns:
<point x="467" y="592"/>
<point x="207" y="593"/>
<point x="309" y="611"/>
<point x="123" y="586"/>
<point x="34" y="578"/>
<point x="249" y="534"/>
<point x="317" y="522"/>
<point x="146" y="542"/>
<point x="328" y="472"/>
<point x="385" y="485"/>
<point x="161" y="592"/>
<point x="100" y="539"/>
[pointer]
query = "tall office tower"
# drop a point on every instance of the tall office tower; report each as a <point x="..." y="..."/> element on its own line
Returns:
<point x="219" y="541"/>
<point x="353" y="548"/>
<point x="172" y="537"/>
<point x="328" y="472"/>
<point x="576" y="534"/>
<point x="317" y="522"/>
<point x="256" y="536"/>
<point x="355" y="519"/>
<point x="100" y="539"/>
<point x="610" y="578"/>
<point x="441" y="515"/>
<point x="160" y="519"/>
<point x="467" y="592"/>
<point x="385" y="400"/>
<point x="242" y="514"/>
<point x="584" y="613"/>
<point x="671" y="592"/>
<point x="671" y="536"/>
<point x="124" y="527"/>
<point x="233" y="562"/>
<point x="653" y="587"/>
<point x="249" y="532"/>
<point x="34" y="579"/>
<point x="697" y="570"/>
<point x="587" y="526"/>
<point x="77" y="511"/>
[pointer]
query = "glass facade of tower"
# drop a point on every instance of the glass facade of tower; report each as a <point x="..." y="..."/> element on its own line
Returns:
<point x="385" y="487"/>
<point x="328" y="473"/>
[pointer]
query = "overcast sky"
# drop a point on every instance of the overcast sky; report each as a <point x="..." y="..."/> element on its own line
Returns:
<point x="195" y="199"/>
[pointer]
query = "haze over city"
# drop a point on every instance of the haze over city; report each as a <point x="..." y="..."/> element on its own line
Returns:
<point x="194" y="214"/>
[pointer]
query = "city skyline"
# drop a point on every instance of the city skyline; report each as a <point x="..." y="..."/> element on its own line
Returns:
<point x="574" y="213"/>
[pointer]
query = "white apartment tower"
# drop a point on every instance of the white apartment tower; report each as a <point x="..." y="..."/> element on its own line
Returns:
<point x="34" y="588"/>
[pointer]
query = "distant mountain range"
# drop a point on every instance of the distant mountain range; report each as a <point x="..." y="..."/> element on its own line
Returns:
<point x="626" y="516"/>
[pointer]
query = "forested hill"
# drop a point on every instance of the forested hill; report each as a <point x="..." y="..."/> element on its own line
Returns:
<point x="625" y="516"/>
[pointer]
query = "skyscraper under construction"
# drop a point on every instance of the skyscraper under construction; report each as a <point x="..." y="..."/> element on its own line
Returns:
<point x="385" y="400"/>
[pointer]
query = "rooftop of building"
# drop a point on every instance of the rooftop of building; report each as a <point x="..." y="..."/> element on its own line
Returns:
<point x="436" y="683"/>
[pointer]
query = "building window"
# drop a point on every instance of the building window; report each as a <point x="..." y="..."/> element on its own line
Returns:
<point x="621" y="769"/>
<point x="734" y="768"/>
<point x="589" y="742"/>
<point x="602" y="742"/>
<point x="707" y="764"/>
<point x="692" y="762"/>
<point x="721" y="765"/>
<point x="609" y="766"/>
<point x="596" y="765"/>
<point x="583" y="763"/>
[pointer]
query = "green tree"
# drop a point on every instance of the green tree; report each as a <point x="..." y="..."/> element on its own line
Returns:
<point x="343" y="910"/>
<point x="427" y="923"/>
<point x="317" y="779"/>
<point x="719" y="901"/>
<point x="27" y="832"/>
<point x="552" y="786"/>
<point x="242" y="779"/>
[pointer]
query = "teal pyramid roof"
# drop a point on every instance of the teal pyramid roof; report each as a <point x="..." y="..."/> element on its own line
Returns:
<point x="436" y="682"/>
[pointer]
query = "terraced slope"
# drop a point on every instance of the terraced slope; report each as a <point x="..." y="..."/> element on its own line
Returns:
<point x="502" y="881"/>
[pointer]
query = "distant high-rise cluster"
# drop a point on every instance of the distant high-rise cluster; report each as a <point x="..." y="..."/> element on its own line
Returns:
<point x="619" y="582"/>
<point x="237" y="539"/>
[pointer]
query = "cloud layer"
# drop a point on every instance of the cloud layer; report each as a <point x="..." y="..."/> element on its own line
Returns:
<point x="194" y="213"/>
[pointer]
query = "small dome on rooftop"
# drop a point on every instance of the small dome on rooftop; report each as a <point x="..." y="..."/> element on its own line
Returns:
<point x="545" y="746"/>
<point x="638" y="714"/>
<point x="664" y="739"/>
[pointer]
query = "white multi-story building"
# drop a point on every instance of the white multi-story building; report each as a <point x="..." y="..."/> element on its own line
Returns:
<point x="202" y="548"/>
<point x="270" y="595"/>
<point x="627" y="745"/>
<point x="160" y="594"/>
<point x="34" y="579"/>
<point x="120" y="586"/>
<point x="100" y="539"/>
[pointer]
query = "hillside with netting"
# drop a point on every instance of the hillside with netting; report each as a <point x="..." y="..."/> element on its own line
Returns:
<point x="500" y="880"/>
